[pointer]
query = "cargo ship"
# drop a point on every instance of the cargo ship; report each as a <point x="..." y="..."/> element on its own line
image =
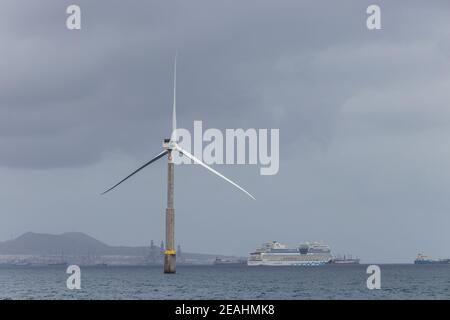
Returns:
<point x="57" y="264"/>
<point x="15" y="264"/>
<point x="345" y="260"/>
<point x="422" y="259"/>
<point x="277" y="254"/>
<point x="229" y="262"/>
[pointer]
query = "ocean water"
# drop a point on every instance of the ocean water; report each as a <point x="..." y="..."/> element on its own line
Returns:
<point x="210" y="282"/>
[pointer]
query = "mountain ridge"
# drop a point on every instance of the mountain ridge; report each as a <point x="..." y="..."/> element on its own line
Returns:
<point x="75" y="243"/>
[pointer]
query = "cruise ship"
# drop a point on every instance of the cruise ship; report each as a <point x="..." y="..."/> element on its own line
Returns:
<point x="277" y="254"/>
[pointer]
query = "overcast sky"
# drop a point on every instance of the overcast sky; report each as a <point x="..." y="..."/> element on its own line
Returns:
<point x="364" y="119"/>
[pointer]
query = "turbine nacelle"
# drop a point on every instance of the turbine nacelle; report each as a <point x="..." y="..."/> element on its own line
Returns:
<point x="169" y="144"/>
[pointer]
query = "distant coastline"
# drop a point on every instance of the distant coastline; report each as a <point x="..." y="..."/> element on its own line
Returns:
<point x="40" y="249"/>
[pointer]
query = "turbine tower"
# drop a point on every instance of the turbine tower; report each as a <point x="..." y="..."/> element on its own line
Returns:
<point x="170" y="145"/>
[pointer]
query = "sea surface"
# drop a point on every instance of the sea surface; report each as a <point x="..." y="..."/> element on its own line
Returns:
<point x="213" y="282"/>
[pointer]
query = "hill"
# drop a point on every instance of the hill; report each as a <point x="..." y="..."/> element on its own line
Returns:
<point x="69" y="243"/>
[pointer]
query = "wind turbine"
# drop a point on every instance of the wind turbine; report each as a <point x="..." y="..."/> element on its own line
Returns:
<point x="170" y="145"/>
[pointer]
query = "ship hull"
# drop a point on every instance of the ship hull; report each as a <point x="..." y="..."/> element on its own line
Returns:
<point x="345" y="262"/>
<point x="287" y="263"/>
<point x="444" y="262"/>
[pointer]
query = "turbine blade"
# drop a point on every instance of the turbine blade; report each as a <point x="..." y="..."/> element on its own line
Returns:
<point x="190" y="156"/>
<point x="162" y="154"/>
<point x="174" y="111"/>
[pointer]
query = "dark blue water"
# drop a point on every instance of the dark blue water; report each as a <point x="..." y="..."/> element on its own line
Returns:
<point x="208" y="282"/>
